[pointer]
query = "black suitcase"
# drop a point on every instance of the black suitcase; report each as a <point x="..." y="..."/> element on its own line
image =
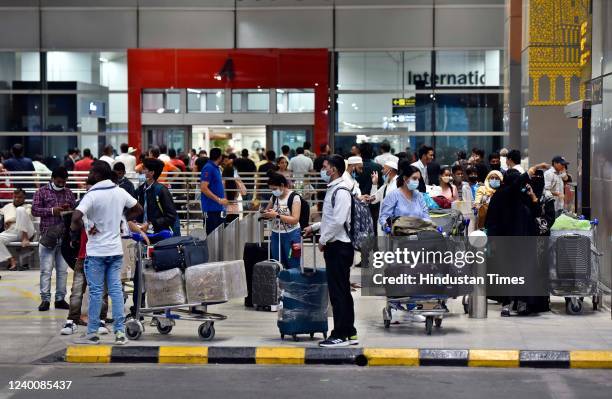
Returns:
<point x="253" y="253"/>
<point x="179" y="252"/>
<point x="266" y="295"/>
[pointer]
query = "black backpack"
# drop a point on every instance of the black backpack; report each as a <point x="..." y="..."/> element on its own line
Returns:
<point x="304" y="211"/>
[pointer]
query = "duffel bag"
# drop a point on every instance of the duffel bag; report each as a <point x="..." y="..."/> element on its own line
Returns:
<point x="179" y="252"/>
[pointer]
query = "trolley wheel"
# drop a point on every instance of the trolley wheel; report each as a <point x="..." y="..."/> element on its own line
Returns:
<point x="206" y="331"/>
<point x="165" y="329"/>
<point x="311" y="335"/>
<point x="387" y="323"/>
<point x="573" y="306"/>
<point x="295" y="338"/>
<point x="438" y="323"/>
<point x="429" y="324"/>
<point x="134" y="329"/>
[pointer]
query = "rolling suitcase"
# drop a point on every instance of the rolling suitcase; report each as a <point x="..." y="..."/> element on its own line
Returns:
<point x="180" y="252"/>
<point x="265" y="282"/>
<point x="304" y="300"/>
<point x="254" y="252"/>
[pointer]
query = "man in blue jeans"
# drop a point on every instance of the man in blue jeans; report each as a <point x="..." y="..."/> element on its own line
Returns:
<point x="213" y="194"/>
<point x="103" y="208"/>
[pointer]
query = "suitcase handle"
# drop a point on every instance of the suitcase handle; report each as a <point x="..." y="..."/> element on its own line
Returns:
<point x="314" y="253"/>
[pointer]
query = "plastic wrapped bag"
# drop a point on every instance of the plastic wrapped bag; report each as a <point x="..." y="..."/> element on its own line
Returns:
<point x="215" y="282"/>
<point x="164" y="288"/>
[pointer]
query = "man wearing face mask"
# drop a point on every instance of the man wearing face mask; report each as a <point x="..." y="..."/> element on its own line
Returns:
<point x="338" y="252"/>
<point x="49" y="202"/>
<point x="472" y="175"/>
<point x="464" y="192"/>
<point x="353" y="170"/>
<point x="554" y="179"/>
<point x="494" y="161"/>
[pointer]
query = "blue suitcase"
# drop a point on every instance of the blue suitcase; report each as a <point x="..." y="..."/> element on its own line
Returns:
<point x="304" y="301"/>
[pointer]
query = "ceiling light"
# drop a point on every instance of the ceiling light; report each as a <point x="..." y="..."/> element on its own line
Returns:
<point x="194" y="91"/>
<point x="281" y="91"/>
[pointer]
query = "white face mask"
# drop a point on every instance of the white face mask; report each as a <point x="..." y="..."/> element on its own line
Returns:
<point x="563" y="174"/>
<point x="56" y="188"/>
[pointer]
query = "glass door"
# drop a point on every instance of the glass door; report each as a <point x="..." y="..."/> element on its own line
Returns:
<point x="172" y="136"/>
<point x="292" y="136"/>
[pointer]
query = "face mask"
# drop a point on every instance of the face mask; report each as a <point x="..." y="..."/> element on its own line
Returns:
<point x="413" y="185"/>
<point x="458" y="179"/>
<point x="56" y="188"/>
<point x="473" y="179"/>
<point x="446" y="179"/>
<point x="354" y="175"/>
<point x="494" y="183"/>
<point x="326" y="178"/>
<point x="277" y="193"/>
<point x="563" y="174"/>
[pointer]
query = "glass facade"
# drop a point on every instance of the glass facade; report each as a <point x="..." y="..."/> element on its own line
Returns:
<point x="448" y="99"/>
<point x="51" y="101"/>
<point x="205" y="100"/>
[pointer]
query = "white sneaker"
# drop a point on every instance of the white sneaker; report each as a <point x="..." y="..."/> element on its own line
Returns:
<point x="69" y="328"/>
<point x="102" y="330"/>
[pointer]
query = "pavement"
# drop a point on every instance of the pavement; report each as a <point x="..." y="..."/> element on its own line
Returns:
<point x="302" y="382"/>
<point x="28" y="335"/>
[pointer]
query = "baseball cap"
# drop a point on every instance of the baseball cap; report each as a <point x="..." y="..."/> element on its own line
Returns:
<point x="560" y="159"/>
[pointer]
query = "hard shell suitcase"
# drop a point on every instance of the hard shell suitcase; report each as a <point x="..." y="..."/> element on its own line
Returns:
<point x="254" y="252"/>
<point x="304" y="300"/>
<point x="265" y="282"/>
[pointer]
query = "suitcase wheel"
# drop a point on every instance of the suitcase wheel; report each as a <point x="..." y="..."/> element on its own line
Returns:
<point x="295" y="338"/>
<point x="311" y="335"/>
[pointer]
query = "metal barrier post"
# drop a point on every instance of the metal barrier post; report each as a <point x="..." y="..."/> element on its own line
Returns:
<point x="477" y="306"/>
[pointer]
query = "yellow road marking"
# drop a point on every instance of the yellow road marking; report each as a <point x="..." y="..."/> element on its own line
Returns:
<point x="591" y="359"/>
<point x="493" y="358"/>
<point x="183" y="354"/>
<point x="24" y="293"/>
<point x="278" y="355"/>
<point x="88" y="354"/>
<point x="392" y="357"/>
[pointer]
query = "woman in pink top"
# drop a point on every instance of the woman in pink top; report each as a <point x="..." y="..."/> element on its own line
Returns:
<point x="448" y="189"/>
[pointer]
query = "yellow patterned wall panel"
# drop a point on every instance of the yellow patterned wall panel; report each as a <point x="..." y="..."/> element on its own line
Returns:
<point x="555" y="48"/>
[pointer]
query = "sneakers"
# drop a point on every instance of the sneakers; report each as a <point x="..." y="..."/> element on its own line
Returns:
<point x="61" y="304"/>
<point x="332" y="342"/>
<point x="88" y="339"/>
<point x="120" y="338"/>
<point x="353" y="340"/>
<point x="69" y="328"/>
<point x="44" y="306"/>
<point x="102" y="330"/>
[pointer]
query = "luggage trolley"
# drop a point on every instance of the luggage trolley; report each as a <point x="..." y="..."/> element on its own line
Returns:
<point x="574" y="267"/>
<point x="165" y="317"/>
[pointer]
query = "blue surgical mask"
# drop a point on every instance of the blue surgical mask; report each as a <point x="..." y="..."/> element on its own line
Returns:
<point x="385" y="178"/>
<point x="325" y="176"/>
<point x="354" y="175"/>
<point x="494" y="183"/>
<point x="413" y="185"/>
<point x="277" y="193"/>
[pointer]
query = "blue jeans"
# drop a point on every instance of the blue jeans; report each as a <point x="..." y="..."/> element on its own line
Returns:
<point x="50" y="258"/>
<point x="286" y="239"/>
<point x="97" y="270"/>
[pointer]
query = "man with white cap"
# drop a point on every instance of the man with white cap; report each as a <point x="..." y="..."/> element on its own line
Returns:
<point x="353" y="168"/>
<point x="377" y="194"/>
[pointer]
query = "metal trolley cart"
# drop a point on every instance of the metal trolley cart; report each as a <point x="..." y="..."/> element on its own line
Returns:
<point x="574" y="267"/>
<point x="165" y="317"/>
<point x="433" y="308"/>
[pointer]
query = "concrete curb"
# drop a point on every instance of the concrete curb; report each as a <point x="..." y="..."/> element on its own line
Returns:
<point x="348" y="356"/>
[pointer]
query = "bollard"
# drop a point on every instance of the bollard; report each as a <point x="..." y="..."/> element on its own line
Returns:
<point x="477" y="305"/>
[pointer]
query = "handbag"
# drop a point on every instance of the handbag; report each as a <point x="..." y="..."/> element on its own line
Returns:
<point x="180" y="252"/>
<point x="52" y="236"/>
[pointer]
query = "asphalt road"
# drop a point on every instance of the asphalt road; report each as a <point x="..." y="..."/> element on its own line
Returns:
<point x="297" y="382"/>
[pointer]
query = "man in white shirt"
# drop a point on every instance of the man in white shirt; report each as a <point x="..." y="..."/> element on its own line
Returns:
<point x="386" y="154"/>
<point x="103" y="206"/>
<point x="107" y="155"/>
<point x="163" y="153"/>
<point x="18" y="225"/>
<point x="503" y="159"/>
<point x="354" y="167"/>
<point x="426" y="155"/>
<point x="554" y="179"/>
<point x="300" y="164"/>
<point x="337" y="251"/>
<point x="514" y="161"/>
<point x="127" y="159"/>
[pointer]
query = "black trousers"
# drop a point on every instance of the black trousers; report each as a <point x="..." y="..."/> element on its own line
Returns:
<point x="338" y="260"/>
<point x="213" y="220"/>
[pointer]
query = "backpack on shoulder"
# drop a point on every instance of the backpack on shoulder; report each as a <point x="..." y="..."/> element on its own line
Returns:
<point x="304" y="208"/>
<point x="361" y="226"/>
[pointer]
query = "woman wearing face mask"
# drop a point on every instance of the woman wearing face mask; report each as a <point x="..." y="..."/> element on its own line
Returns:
<point x="446" y="184"/>
<point x="284" y="211"/>
<point x="406" y="200"/>
<point x="484" y="194"/>
<point x="472" y="175"/>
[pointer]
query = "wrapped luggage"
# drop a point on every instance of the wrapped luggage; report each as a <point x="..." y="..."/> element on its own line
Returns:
<point x="164" y="288"/>
<point x="216" y="282"/>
